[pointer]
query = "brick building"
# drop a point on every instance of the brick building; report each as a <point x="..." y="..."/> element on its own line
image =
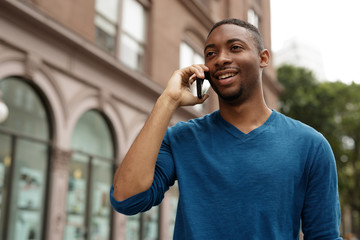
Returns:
<point x="79" y="79"/>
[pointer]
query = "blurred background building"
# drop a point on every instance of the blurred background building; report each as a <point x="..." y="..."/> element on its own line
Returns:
<point x="297" y="52"/>
<point x="79" y="79"/>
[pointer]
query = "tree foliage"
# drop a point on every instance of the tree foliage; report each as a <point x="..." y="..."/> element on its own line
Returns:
<point x="332" y="108"/>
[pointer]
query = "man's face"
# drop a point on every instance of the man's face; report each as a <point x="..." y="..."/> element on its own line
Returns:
<point x="234" y="62"/>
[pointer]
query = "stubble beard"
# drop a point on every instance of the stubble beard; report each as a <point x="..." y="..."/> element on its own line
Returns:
<point x="234" y="98"/>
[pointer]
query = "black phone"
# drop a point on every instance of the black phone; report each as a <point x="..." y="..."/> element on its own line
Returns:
<point x="199" y="85"/>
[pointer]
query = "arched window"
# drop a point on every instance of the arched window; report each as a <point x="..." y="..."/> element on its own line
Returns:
<point x="90" y="178"/>
<point x="24" y="161"/>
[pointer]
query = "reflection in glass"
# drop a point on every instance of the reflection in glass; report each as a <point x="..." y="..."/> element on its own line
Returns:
<point x="92" y="135"/>
<point x="27" y="113"/>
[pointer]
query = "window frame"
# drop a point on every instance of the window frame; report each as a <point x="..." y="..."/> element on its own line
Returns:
<point x="15" y="137"/>
<point x="88" y="192"/>
<point x="119" y="32"/>
<point x="89" y="166"/>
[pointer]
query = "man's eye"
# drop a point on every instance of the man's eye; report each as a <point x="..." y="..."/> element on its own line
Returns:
<point x="209" y="54"/>
<point x="236" y="47"/>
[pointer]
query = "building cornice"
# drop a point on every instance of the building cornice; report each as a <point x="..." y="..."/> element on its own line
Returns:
<point x="25" y="12"/>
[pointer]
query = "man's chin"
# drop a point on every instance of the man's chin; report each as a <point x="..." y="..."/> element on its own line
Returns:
<point x="233" y="98"/>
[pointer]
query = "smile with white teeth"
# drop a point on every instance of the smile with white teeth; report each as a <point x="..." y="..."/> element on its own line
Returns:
<point x="226" y="75"/>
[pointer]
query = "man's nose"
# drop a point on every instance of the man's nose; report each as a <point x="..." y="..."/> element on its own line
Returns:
<point x="223" y="58"/>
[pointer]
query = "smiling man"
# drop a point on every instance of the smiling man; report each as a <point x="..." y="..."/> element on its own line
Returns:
<point x="244" y="171"/>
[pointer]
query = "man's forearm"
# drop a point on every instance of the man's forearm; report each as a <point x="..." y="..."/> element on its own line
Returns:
<point x="136" y="172"/>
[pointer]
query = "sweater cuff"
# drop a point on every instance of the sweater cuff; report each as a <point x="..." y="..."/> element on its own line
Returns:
<point x="131" y="205"/>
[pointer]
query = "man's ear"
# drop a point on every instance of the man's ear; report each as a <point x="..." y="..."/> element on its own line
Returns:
<point x="264" y="58"/>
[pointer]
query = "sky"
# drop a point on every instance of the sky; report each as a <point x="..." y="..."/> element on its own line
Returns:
<point x="331" y="26"/>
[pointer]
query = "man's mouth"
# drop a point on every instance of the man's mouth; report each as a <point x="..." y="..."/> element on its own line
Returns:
<point x="226" y="75"/>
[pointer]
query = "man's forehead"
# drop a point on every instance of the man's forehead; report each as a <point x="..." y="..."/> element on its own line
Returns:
<point x="227" y="31"/>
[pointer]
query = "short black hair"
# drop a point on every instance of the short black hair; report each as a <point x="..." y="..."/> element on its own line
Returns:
<point x="253" y="30"/>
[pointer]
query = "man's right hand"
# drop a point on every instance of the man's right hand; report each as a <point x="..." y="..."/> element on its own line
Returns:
<point x="178" y="87"/>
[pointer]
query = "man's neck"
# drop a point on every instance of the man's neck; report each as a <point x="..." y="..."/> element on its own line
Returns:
<point x="246" y="116"/>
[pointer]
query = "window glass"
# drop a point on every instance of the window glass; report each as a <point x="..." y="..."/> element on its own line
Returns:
<point x="186" y="55"/>
<point x="189" y="56"/>
<point x="100" y="185"/>
<point x="28" y="195"/>
<point x="253" y="18"/>
<point x="76" y="198"/>
<point x="133" y="20"/>
<point x="27" y="113"/>
<point x="133" y="227"/>
<point x="90" y="178"/>
<point x="23" y="162"/>
<point x="92" y="135"/>
<point x="133" y="34"/>
<point x="106" y="19"/>
<point x="105" y="26"/>
<point x="131" y="53"/>
<point x="5" y="161"/>
<point x="150" y="224"/>
<point x="107" y="9"/>
<point x="173" y="199"/>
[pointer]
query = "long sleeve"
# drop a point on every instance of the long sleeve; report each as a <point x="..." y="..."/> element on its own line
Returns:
<point x="321" y="210"/>
<point x="164" y="177"/>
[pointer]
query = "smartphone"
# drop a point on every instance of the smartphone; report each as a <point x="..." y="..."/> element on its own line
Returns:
<point x="202" y="88"/>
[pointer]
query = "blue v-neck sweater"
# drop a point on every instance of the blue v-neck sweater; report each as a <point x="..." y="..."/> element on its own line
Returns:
<point x="266" y="184"/>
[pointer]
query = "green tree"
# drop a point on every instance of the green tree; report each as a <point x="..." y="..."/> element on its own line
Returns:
<point x="332" y="108"/>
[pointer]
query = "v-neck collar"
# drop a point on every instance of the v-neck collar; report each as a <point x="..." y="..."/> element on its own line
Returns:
<point x="237" y="132"/>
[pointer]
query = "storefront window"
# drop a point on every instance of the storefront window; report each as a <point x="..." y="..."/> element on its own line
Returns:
<point x="143" y="226"/>
<point x="100" y="201"/>
<point x="28" y="190"/>
<point x="90" y="178"/>
<point x="76" y="198"/>
<point x="27" y="114"/>
<point x="24" y="155"/>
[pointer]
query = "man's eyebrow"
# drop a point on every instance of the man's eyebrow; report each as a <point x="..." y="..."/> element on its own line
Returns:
<point x="211" y="45"/>
<point x="235" y="40"/>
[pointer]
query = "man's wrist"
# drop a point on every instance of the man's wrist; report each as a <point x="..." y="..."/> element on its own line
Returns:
<point x="166" y="101"/>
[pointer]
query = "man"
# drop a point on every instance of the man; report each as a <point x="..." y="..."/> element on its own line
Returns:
<point x="245" y="171"/>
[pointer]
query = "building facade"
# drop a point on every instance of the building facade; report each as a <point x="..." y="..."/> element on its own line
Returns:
<point x="79" y="79"/>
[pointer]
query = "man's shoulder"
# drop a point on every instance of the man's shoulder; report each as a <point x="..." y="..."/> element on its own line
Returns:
<point x="293" y="126"/>
<point x="205" y="120"/>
